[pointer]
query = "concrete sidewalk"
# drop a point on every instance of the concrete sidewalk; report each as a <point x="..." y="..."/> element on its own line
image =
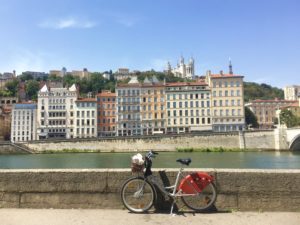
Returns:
<point x="123" y="217"/>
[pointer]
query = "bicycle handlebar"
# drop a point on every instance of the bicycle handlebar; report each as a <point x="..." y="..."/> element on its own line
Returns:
<point x="151" y="154"/>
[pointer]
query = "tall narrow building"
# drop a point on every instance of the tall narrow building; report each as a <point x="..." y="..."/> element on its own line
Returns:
<point x="23" y="126"/>
<point x="106" y="118"/>
<point x="128" y="108"/>
<point x="55" y="112"/>
<point x="227" y="101"/>
<point x="153" y="107"/>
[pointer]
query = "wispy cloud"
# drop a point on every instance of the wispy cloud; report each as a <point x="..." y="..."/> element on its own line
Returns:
<point x="65" y="23"/>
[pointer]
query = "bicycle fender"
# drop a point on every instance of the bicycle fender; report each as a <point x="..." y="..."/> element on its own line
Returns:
<point x="195" y="182"/>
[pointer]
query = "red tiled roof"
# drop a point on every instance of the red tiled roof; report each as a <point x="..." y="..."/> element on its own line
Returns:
<point x="106" y="94"/>
<point x="293" y="105"/>
<point x="274" y="101"/>
<point x="86" y="100"/>
<point x="186" y="84"/>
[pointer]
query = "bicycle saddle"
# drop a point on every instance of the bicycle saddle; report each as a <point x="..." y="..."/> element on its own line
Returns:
<point x="184" y="161"/>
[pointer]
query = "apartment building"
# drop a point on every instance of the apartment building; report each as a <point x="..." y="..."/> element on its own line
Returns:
<point x="85" y="118"/>
<point x="188" y="107"/>
<point x="292" y="93"/>
<point x="106" y="118"/>
<point x="153" y="107"/>
<point x="128" y="108"/>
<point x="265" y="110"/>
<point x="55" y="112"/>
<point x="23" y="126"/>
<point x="227" y="101"/>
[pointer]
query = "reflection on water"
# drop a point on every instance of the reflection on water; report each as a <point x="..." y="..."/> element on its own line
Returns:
<point x="276" y="160"/>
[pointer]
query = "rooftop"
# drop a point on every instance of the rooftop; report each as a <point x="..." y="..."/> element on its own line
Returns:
<point x="86" y="100"/>
<point x="226" y="76"/>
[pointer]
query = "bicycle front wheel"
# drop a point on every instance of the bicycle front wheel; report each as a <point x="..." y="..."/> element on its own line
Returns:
<point x="137" y="195"/>
<point x="202" y="201"/>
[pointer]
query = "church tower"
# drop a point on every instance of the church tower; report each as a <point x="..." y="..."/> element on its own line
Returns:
<point x="230" y="67"/>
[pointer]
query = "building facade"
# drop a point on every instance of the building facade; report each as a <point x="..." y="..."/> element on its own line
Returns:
<point x="292" y="93"/>
<point x="227" y="101"/>
<point x="265" y="110"/>
<point x="128" y="108"/>
<point x="23" y="126"/>
<point x="153" y="107"/>
<point x="188" y="107"/>
<point x="85" y="121"/>
<point x="55" y="112"/>
<point x="106" y="110"/>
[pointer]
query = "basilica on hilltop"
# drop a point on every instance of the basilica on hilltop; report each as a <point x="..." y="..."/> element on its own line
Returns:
<point x="182" y="70"/>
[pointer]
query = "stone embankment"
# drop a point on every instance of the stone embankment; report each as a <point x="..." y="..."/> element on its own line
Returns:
<point x="250" y="140"/>
<point x="246" y="190"/>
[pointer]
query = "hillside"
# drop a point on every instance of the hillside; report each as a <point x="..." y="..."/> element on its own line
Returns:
<point x="261" y="91"/>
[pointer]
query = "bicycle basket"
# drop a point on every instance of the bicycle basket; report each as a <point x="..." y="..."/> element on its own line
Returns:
<point x="136" y="168"/>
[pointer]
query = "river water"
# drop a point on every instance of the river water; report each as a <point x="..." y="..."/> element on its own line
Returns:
<point x="258" y="160"/>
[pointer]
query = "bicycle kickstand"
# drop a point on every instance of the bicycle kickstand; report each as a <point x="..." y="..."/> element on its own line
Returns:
<point x="172" y="207"/>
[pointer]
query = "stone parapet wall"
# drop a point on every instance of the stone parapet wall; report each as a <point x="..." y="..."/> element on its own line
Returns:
<point x="248" y="190"/>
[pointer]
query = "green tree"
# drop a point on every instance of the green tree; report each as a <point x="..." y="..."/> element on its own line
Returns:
<point x="32" y="88"/>
<point x="288" y="118"/>
<point x="261" y="91"/>
<point x="25" y="76"/>
<point x="53" y="77"/>
<point x="250" y="118"/>
<point x="12" y="87"/>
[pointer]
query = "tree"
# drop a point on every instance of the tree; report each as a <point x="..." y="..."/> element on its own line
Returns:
<point x="32" y="88"/>
<point x="288" y="118"/>
<point x="53" y="77"/>
<point x="25" y="76"/>
<point x="12" y="87"/>
<point x="250" y="118"/>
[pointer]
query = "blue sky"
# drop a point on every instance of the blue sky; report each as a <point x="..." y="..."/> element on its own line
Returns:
<point x="262" y="37"/>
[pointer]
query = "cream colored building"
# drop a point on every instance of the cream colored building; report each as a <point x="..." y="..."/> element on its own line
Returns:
<point x="188" y="107"/>
<point x="81" y="73"/>
<point x="23" y="125"/>
<point x="85" y="118"/>
<point x="227" y="101"/>
<point x="153" y="107"/>
<point x="128" y="118"/>
<point x="55" y="112"/>
<point x="292" y="92"/>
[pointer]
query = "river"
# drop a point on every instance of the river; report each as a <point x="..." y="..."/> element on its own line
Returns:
<point x="258" y="160"/>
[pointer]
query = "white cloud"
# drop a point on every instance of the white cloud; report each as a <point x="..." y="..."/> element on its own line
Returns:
<point x="65" y="23"/>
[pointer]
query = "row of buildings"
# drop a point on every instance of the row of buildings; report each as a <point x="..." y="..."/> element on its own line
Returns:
<point x="152" y="107"/>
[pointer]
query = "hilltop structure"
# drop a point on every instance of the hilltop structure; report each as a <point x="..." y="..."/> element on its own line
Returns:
<point x="182" y="70"/>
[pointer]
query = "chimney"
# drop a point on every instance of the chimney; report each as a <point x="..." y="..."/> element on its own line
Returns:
<point x="208" y="73"/>
<point x="221" y="72"/>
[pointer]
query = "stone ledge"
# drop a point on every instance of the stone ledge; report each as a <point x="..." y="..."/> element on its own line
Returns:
<point x="254" y="189"/>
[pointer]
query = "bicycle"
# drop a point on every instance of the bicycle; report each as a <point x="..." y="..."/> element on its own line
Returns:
<point x="196" y="190"/>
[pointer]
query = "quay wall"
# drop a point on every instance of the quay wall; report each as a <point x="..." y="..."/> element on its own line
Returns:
<point x="255" y="140"/>
<point x="245" y="190"/>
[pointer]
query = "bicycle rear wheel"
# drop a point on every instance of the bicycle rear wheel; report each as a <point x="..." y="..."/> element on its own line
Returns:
<point x="137" y="195"/>
<point x="202" y="201"/>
